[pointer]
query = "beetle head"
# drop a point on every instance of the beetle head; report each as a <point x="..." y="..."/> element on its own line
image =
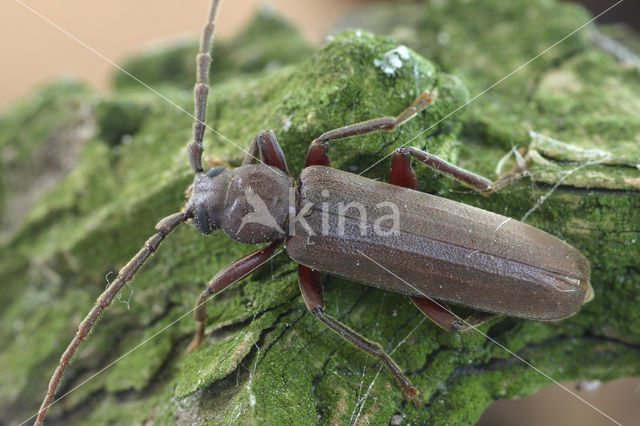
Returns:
<point x="206" y="199"/>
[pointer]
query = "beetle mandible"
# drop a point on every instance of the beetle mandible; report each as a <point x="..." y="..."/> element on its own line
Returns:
<point x="437" y="252"/>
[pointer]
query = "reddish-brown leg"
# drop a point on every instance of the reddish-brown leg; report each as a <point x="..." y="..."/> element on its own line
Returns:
<point x="439" y="313"/>
<point x="477" y="182"/>
<point x="230" y="275"/>
<point x="271" y="154"/>
<point x="313" y="294"/>
<point x="318" y="150"/>
<point x="402" y="174"/>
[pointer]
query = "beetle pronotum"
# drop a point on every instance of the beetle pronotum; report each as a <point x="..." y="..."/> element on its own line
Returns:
<point x="437" y="250"/>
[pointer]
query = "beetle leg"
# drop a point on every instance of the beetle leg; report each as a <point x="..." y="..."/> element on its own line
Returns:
<point x="317" y="154"/>
<point x="230" y="275"/>
<point x="402" y="173"/>
<point x="477" y="182"/>
<point x="271" y="154"/>
<point x="313" y="295"/>
<point x="439" y="313"/>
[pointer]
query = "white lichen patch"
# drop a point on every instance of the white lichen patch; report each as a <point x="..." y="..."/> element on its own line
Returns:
<point x="392" y="60"/>
<point x="553" y="148"/>
<point x="288" y="122"/>
<point x="443" y="38"/>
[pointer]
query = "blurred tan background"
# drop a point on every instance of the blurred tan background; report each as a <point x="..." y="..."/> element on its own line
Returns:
<point x="33" y="51"/>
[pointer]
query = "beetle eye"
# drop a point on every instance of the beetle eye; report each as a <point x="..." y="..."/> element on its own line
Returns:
<point x="202" y="222"/>
<point x="215" y="171"/>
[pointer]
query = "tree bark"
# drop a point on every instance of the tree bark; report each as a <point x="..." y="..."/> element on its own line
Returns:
<point x="266" y="360"/>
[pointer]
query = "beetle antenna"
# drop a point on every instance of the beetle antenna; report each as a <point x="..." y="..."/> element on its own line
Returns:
<point x="163" y="228"/>
<point x="201" y="89"/>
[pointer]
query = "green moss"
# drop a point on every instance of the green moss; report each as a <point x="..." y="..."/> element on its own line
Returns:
<point x="267" y="43"/>
<point x="266" y="360"/>
<point x="26" y="119"/>
<point x="119" y="119"/>
<point x="200" y="372"/>
<point x="40" y="139"/>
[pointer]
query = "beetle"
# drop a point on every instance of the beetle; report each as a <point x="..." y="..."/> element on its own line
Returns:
<point x="437" y="251"/>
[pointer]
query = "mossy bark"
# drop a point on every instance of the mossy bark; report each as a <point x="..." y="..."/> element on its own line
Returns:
<point x="266" y="360"/>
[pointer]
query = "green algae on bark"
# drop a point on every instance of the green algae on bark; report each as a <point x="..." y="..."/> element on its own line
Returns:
<point x="40" y="141"/>
<point x="134" y="172"/>
<point x="267" y="43"/>
<point x="266" y="360"/>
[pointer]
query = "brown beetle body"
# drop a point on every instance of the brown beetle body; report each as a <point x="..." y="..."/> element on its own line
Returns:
<point x="443" y="249"/>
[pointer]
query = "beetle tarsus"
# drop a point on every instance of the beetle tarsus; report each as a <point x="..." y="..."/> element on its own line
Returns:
<point x="473" y="180"/>
<point x="313" y="295"/>
<point x="411" y="394"/>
